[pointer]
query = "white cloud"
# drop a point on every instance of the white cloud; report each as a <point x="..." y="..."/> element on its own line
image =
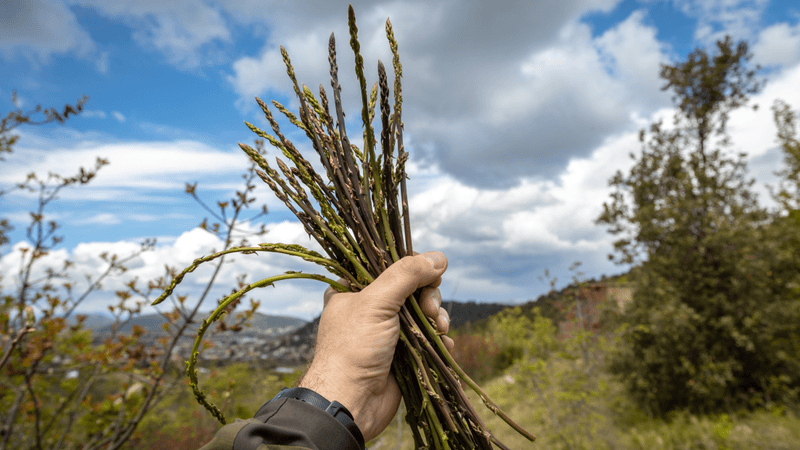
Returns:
<point x="99" y="219"/>
<point x="185" y="32"/>
<point x="93" y="113"/>
<point x="118" y="115"/>
<point x="738" y="18"/>
<point x="12" y="262"/>
<point x="633" y="54"/>
<point x="523" y="111"/>
<point x="192" y="33"/>
<point x="778" y="45"/>
<point x="41" y="28"/>
<point x="302" y="299"/>
<point x="538" y="82"/>
<point x="102" y="63"/>
<point x="254" y="76"/>
<point x="522" y="117"/>
<point x="500" y="240"/>
<point x="157" y="217"/>
<point x="558" y="103"/>
<point x="134" y="165"/>
<point x="754" y="132"/>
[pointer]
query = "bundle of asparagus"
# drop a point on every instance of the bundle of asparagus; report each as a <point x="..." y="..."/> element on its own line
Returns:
<point x="357" y="219"/>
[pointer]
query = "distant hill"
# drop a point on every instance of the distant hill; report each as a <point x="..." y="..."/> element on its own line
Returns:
<point x="153" y="323"/>
<point x="462" y="313"/>
<point x="551" y="305"/>
<point x="93" y="322"/>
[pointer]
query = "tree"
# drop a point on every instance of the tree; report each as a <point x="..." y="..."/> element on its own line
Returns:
<point x="788" y="195"/>
<point x="701" y="323"/>
<point x="120" y="379"/>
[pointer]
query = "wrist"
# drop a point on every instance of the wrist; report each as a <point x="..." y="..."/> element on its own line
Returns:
<point x="327" y="384"/>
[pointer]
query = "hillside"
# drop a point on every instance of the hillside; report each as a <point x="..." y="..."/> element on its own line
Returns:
<point x="153" y="323"/>
<point x="94" y="322"/>
<point x="551" y="305"/>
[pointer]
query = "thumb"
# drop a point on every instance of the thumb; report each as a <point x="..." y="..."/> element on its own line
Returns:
<point x="405" y="276"/>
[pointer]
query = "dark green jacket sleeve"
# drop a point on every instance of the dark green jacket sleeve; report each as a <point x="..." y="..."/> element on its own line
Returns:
<point x="284" y="424"/>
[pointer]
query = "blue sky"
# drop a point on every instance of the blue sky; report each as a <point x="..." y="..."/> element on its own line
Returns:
<point x="515" y="118"/>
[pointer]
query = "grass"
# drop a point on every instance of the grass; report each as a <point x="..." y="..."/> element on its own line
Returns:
<point x="610" y="421"/>
<point x="774" y="430"/>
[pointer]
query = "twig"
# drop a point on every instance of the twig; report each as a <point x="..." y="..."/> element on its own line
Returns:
<point x="21" y="334"/>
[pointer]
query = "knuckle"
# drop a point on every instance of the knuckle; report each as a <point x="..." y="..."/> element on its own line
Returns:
<point x="410" y="265"/>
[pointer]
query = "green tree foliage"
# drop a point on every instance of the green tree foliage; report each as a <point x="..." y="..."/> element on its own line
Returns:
<point x="713" y="316"/>
<point x="788" y="194"/>
<point x="559" y="371"/>
<point x="518" y="337"/>
<point x="477" y="354"/>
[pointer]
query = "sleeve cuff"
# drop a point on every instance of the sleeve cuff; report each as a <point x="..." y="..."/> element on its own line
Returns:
<point x="293" y="422"/>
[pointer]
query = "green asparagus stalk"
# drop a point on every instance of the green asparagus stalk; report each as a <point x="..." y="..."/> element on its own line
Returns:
<point x="357" y="218"/>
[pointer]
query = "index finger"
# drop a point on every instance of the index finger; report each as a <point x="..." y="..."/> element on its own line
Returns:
<point x="331" y="291"/>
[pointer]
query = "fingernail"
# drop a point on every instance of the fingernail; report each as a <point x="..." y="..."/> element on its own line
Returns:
<point x="436" y="259"/>
<point x="437" y="298"/>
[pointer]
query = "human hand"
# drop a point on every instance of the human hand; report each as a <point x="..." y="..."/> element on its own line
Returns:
<point x="357" y="335"/>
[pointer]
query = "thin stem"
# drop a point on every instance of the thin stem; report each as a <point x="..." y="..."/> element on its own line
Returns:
<point x="418" y="367"/>
<point x="115" y="442"/>
<point x="8" y="427"/>
<point x="35" y="401"/>
<point x="485" y="398"/>
<point x="71" y="419"/>
<point x="21" y="334"/>
<point x="415" y="336"/>
<point x="192" y="372"/>
<point x="286" y="249"/>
